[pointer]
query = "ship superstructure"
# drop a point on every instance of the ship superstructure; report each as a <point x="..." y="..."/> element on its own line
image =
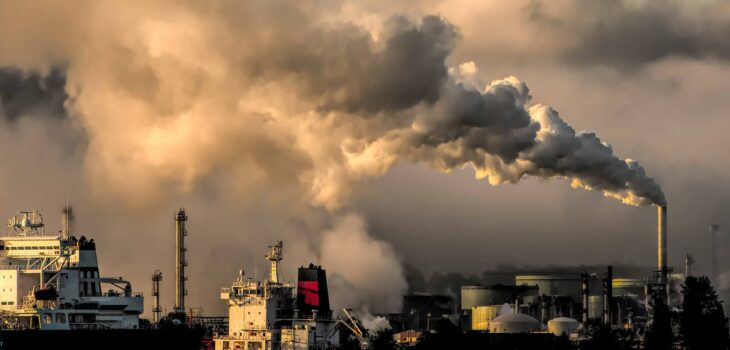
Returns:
<point x="268" y="315"/>
<point x="52" y="282"/>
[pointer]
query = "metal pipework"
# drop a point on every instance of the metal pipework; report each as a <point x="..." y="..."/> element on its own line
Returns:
<point x="180" y="262"/>
<point x="662" y="243"/>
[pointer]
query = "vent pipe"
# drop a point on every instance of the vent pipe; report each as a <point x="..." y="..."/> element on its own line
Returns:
<point x="180" y="262"/>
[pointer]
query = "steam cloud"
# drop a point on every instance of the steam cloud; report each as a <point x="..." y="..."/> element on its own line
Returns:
<point x="296" y="98"/>
<point x="169" y="98"/>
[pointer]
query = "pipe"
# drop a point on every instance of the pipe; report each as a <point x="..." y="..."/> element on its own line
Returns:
<point x="662" y="243"/>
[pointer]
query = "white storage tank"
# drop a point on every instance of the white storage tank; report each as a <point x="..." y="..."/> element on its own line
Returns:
<point x="563" y="325"/>
<point x="514" y="323"/>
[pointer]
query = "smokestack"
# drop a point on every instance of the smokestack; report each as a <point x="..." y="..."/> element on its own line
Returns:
<point x="584" y="289"/>
<point x="156" y="309"/>
<point x="713" y="252"/>
<point x="607" y="295"/>
<point x="662" y="243"/>
<point x="688" y="261"/>
<point x="180" y="233"/>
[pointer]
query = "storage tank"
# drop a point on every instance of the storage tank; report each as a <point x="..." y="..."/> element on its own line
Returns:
<point x="569" y="285"/>
<point x="628" y="286"/>
<point x="595" y="306"/>
<point x="475" y="296"/>
<point x="514" y="323"/>
<point x="482" y="315"/>
<point x="563" y="325"/>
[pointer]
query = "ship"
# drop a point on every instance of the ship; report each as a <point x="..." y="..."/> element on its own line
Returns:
<point x="274" y="315"/>
<point x="53" y="295"/>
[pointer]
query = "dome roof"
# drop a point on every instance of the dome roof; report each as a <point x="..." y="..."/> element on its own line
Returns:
<point x="563" y="320"/>
<point x="513" y="317"/>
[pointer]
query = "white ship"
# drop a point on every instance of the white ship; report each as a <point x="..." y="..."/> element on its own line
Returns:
<point x="267" y="315"/>
<point x="52" y="282"/>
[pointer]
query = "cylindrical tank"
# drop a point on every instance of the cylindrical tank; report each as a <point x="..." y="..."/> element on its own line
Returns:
<point x="474" y="296"/>
<point x="628" y="287"/>
<point x="569" y="285"/>
<point x="595" y="306"/>
<point x="482" y="315"/>
<point x="514" y="323"/>
<point x="563" y="325"/>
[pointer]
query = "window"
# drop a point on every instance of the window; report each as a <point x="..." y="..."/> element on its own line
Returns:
<point x="11" y="303"/>
<point x="60" y="317"/>
<point x="4" y="303"/>
<point x="47" y="319"/>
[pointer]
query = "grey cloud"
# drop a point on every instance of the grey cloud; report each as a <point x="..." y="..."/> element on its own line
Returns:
<point x="629" y="35"/>
<point x="34" y="94"/>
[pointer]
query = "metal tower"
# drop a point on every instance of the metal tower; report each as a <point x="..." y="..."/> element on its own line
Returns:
<point x="275" y="255"/>
<point x="180" y="233"/>
<point x="156" y="309"/>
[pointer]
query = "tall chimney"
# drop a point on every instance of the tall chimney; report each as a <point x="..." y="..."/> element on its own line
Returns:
<point x="156" y="309"/>
<point x="713" y="252"/>
<point x="662" y="240"/>
<point x="180" y="262"/>
<point x="584" y="291"/>
<point x="607" y="295"/>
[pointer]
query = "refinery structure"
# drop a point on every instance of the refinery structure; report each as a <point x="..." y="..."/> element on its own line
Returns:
<point x="52" y="282"/>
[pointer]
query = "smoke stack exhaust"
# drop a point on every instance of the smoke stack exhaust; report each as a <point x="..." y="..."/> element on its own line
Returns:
<point x="662" y="242"/>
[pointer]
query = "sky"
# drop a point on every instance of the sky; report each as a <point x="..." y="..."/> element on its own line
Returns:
<point x="368" y="134"/>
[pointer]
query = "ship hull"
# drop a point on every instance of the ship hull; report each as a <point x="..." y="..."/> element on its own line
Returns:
<point x="112" y="339"/>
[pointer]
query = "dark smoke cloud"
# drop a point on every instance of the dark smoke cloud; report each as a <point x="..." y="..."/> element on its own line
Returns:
<point x="629" y="34"/>
<point x="32" y="94"/>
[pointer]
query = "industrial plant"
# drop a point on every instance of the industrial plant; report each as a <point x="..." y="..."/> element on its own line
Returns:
<point x="60" y="289"/>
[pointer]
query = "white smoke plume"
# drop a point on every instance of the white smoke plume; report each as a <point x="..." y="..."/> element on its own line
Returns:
<point x="365" y="272"/>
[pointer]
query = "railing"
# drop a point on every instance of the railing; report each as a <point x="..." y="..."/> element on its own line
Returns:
<point x="90" y="325"/>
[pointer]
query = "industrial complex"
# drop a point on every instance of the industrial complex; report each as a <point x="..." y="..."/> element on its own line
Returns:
<point x="43" y="294"/>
